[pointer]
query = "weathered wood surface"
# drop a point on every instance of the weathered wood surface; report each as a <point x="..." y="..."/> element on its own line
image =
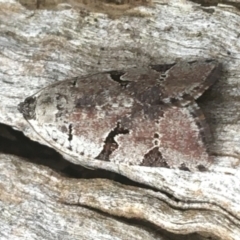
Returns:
<point x="39" y="47"/>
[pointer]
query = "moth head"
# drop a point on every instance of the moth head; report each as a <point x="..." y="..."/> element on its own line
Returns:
<point x="27" y="108"/>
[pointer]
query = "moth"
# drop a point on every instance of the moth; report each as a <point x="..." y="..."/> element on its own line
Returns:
<point x="139" y="116"/>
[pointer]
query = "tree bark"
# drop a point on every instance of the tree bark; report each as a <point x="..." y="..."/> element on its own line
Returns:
<point x="45" y="43"/>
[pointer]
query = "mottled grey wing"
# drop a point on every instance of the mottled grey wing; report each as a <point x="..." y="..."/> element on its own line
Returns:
<point x="127" y="116"/>
<point x="179" y="83"/>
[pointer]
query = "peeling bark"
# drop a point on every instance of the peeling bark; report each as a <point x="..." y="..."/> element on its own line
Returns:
<point x="40" y="47"/>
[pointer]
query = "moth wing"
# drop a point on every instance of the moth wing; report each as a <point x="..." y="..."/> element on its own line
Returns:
<point x="76" y="115"/>
<point x="179" y="83"/>
<point x="174" y="139"/>
<point x="188" y="80"/>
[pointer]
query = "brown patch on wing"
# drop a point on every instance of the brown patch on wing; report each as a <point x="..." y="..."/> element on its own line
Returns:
<point x="181" y="140"/>
<point x="154" y="159"/>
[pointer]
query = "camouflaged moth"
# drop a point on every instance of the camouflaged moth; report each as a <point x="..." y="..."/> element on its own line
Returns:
<point x="139" y="116"/>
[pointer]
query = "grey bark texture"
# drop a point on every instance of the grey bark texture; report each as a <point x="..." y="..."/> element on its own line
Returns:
<point x="41" y="46"/>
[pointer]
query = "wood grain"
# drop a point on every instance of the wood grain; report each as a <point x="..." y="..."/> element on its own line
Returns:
<point x="40" y="47"/>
